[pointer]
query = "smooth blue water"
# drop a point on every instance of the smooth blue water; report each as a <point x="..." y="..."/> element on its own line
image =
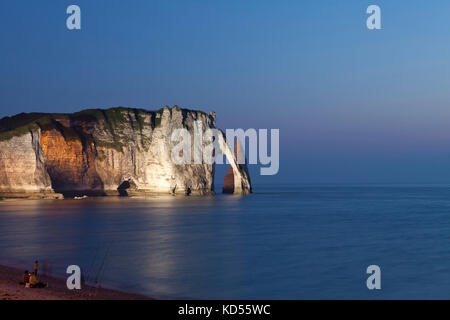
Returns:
<point x="283" y="242"/>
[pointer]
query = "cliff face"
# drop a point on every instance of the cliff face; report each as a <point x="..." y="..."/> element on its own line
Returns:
<point x="22" y="166"/>
<point x="70" y="163"/>
<point x="115" y="151"/>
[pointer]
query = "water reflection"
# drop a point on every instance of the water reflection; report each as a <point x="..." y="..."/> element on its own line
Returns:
<point x="297" y="242"/>
<point x="150" y="244"/>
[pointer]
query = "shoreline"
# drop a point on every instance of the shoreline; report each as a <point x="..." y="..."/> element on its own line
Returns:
<point x="56" y="289"/>
<point x="82" y="196"/>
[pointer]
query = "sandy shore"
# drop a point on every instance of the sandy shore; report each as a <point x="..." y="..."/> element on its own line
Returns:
<point x="56" y="289"/>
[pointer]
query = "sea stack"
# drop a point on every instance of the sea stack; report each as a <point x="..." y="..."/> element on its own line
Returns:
<point x="228" y="182"/>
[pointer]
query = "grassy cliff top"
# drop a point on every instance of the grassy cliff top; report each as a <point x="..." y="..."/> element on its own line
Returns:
<point x="23" y="123"/>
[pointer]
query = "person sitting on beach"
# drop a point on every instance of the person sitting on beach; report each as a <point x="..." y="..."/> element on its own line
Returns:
<point x="25" y="278"/>
<point x="33" y="280"/>
<point x="33" y="283"/>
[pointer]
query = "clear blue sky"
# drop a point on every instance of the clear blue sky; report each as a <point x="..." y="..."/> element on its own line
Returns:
<point x="352" y="105"/>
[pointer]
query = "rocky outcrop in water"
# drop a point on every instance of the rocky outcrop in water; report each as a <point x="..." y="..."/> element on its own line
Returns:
<point x="104" y="152"/>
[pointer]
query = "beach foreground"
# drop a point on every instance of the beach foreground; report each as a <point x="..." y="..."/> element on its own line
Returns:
<point x="56" y="289"/>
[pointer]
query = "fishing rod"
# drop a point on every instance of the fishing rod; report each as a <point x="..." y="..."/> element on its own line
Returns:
<point x="101" y="271"/>
<point x="92" y="264"/>
<point x="95" y="280"/>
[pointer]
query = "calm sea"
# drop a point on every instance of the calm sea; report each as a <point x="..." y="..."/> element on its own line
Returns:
<point x="282" y="242"/>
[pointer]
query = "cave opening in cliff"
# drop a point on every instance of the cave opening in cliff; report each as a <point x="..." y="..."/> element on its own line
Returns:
<point x="220" y="171"/>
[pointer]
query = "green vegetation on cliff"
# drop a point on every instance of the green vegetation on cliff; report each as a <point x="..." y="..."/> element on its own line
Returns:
<point x="20" y="124"/>
<point x="114" y="120"/>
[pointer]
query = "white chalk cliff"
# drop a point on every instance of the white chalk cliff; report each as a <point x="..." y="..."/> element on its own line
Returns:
<point x="105" y="152"/>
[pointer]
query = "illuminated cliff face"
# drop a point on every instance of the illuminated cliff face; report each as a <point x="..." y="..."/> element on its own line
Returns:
<point x="114" y="151"/>
<point x="70" y="163"/>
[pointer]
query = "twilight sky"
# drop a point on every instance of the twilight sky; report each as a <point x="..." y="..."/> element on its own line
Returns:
<point x="352" y="105"/>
